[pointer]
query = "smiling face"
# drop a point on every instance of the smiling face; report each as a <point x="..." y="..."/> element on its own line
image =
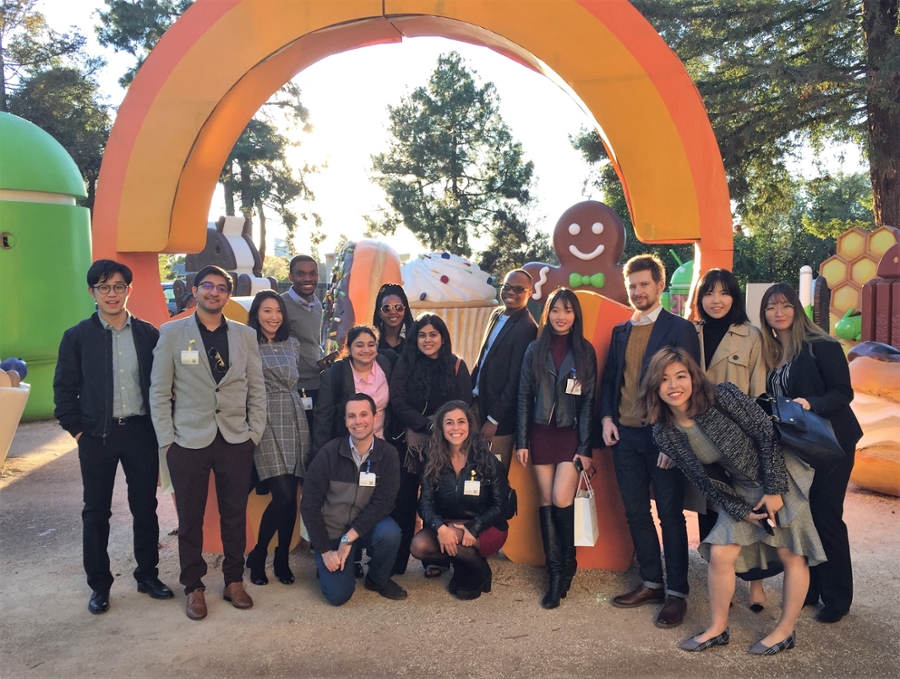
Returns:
<point x="512" y="300"/>
<point x="779" y="314"/>
<point x="393" y="316"/>
<point x="304" y="279"/>
<point x="561" y="317"/>
<point x="212" y="294"/>
<point x="111" y="304"/>
<point x="676" y="388"/>
<point x="588" y="232"/>
<point x="717" y="302"/>
<point x="455" y="426"/>
<point x="643" y="291"/>
<point x="429" y="341"/>
<point x="360" y="419"/>
<point x="269" y="317"/>
<point x="363" y="350"/>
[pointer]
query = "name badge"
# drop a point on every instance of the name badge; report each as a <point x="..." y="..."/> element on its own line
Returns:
<point x="573" y="387"/>
<point x="367" y="479"/>
<point x="472" y="488"/>
<point x="190" y="358"/>
<point x="307" y="404"/>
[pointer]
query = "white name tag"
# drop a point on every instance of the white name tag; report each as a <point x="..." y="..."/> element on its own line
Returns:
<point x="367" y="479"/>
<point x="472" y="488"/>
<point x="190" y="358"/>
<point x="307" y="404"/>
<point x="573" y="387"/>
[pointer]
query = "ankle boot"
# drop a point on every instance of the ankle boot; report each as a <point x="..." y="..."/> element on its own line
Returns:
<point x="256" y="562"/>
<point x="553" y="555"/>
<point x="460" y="575"/>
<point x="477" y="580"/>
<point x="564" y="518"/>
<point x="280" y="566"/>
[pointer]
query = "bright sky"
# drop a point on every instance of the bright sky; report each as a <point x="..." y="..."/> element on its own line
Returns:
<point x="348" y="94"/>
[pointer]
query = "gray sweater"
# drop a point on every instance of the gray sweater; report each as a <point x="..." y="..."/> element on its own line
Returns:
<point x="306" y="327"/>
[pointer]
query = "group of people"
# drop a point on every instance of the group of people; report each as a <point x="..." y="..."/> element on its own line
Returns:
<point x="399" y="426"/>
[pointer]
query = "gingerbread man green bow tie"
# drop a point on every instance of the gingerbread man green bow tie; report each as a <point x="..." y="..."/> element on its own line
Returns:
<point x="576" y="280"/>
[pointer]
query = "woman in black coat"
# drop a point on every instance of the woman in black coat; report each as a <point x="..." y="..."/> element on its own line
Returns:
<point x="463" y="502"/>
<point x="809" y="366"/>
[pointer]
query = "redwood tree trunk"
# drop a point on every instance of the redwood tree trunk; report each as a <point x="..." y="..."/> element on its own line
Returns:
<point x="261" y="216"/>
<point x="883" y="107"/>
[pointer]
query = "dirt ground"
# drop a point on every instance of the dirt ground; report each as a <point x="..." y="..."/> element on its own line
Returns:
<point x="46" y="630"/>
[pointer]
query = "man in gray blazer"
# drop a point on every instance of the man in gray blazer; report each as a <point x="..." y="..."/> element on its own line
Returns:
<point x="210" y="367"/>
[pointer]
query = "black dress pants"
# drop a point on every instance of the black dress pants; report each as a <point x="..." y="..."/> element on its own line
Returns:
<point x="134" y="445"/>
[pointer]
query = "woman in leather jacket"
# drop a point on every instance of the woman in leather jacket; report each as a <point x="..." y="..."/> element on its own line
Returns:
<point x="556" y="407"/>
<point x="463" y="502"/>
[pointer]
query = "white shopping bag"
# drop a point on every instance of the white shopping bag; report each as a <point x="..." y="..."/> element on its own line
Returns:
<point x="587" y="530"/>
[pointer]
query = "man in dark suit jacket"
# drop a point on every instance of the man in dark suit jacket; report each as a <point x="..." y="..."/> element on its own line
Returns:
<point x="495" y="378"/>
<point x="637" y="461"/>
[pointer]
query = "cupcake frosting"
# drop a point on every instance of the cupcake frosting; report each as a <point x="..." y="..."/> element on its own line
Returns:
<point x="442" y="278"/>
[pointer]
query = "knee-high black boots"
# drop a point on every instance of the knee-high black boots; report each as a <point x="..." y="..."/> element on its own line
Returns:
<point x="564" y="518"/>
<point x="553" y="554"/>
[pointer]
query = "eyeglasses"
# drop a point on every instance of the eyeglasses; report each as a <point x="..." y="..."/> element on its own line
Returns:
<point x="783" y="308"/>
<point x="518" y="289"/>
<point x="220" y="366"/>
<point x="118" y="288"/>
<point x="386" y="308"/>
<point x="209" y="287"/>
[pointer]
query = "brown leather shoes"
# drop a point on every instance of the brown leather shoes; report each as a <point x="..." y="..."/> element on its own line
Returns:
<point x="196" y="605"/>
<point x="639" y="596"/>
<point x="237" y="595"/>
<point x="672" y="612"/>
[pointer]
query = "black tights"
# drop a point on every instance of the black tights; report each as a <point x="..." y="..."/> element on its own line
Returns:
<point x="281" y="514"/>
<point x="427" y="549"/>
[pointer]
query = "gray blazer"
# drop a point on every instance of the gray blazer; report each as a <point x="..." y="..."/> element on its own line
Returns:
<point x="236" y="406"/>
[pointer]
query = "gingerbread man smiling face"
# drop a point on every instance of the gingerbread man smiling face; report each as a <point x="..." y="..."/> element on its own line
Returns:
<point x="589" y="239"/>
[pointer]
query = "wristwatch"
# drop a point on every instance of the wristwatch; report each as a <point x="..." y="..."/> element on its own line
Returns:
<point x="345" y="540"/>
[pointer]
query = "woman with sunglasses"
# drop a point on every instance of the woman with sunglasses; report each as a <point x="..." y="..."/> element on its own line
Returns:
<point x="392" y="319"/>
<point x="427" y="375"/>
<point x="279" y="456"/>
<point x="809" y="366"/>
<point x="555" y="416"/>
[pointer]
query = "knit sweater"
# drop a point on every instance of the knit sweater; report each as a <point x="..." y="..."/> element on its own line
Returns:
<point x="744" y="434"/>
<point x="306" y="327"/>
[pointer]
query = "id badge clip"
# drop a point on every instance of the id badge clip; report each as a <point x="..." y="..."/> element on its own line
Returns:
<point x="306" y="401"/>
<point x="191" y="356"/>
<point x="573" y="386"/>
<point x="367" y="478"/>
<point x="472" y="487"/>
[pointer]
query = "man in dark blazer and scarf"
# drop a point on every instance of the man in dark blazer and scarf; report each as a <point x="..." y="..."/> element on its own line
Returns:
<point x="638" y="462"/>
<point x="495" y="377"/>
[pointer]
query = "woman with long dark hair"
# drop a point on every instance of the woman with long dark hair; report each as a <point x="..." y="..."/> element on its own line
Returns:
<point x="463" y="503"/>
<point x="278" y="458"/>
<point x="556" y="412"/>
<point x="427" y="375"/>
<point x="809" y="366"/>
<point x="725" y="445"/>
<point x="730" y="351"/>
<point x="392" y="318"/>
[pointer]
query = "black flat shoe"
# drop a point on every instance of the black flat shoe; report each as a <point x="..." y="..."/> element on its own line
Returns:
<point x="757" y="608"/>
<point x="155" y="588"/>
<point x="358" y="570"/>
<point x="99" y="602"/>
<point x="829" y="617"/>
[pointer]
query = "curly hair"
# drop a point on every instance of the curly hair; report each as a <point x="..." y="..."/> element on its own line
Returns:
<point x="437" y="450"/>
<point x="655" y="410"/>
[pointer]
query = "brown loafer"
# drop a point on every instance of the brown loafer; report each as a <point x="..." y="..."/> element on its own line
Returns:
<point x="196" y="605"/>
<point x="639" y="596"/>
<point x="237" y="595"/>
<point x="672" y="612"/>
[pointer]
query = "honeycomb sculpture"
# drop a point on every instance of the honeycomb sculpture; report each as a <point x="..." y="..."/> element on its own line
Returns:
<point x="854" y="265"/>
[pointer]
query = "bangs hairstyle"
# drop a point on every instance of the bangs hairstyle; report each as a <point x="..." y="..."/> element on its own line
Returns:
<point x="385" y="291"/>
<point x="657" y="411"/>
<point x="104" y="269"/>
<point x="577" y="344"/>
<point x="284" y="330"/>
<point x="647" y="262"/>
<point x="803" y="330"/>
<point x="437" y="451"/>
<point x="355" y="332"/>
<point x="729" y="284"/>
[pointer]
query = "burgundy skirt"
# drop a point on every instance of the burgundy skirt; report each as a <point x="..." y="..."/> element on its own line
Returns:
<point x="551" y="444"/>
<point x="490" y="541"/>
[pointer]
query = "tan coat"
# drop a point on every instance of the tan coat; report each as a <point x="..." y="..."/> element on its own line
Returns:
<point x="738" y="359"/>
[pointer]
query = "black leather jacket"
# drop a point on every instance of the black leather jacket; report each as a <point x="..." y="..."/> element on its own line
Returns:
<point x="539" y="404"/>
<point x="446" y="500"/>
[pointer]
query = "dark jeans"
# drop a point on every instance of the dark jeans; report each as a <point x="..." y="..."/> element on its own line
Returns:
<point x="314" y="395"/>
<point x="404" y="513"/>
<point x="832" y="580"/>
<point x="381" y="543"/>
<point x="635" y="457"/>
<point x="189" y="468"/>
<point x="134" y="445"/>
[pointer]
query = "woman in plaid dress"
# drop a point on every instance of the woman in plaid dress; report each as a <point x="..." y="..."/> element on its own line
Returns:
<point x="279" y="456"/>
<point x="725" y="445"/>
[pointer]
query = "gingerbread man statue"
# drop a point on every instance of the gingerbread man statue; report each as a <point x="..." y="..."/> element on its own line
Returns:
<point x="589" y="240"/>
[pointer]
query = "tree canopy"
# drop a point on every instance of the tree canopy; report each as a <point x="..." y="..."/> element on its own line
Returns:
<point x="453" y="170"/>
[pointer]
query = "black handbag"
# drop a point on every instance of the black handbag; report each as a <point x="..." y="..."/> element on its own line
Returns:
<point x="810" y="436"/>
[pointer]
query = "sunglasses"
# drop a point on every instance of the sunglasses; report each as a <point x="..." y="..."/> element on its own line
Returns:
<point x="518" y="289"/>
<point x="386" y="308"/>
<point x="214" y="354"/>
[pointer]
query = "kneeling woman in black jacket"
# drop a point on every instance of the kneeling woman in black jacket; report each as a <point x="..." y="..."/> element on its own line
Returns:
<point x="463" y="502"/>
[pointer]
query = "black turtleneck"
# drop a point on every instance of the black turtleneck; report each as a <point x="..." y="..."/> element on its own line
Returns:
<point x="714" y="330"/>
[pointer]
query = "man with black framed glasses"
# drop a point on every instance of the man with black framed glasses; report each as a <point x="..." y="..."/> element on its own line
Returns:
<point x="101" y="390"/>
<point x="212" y="367"/>
<point x="495" y="377"/>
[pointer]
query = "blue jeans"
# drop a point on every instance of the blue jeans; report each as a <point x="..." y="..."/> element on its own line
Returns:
<point x="635" y="457"/>
<point x="382" y="543"/>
